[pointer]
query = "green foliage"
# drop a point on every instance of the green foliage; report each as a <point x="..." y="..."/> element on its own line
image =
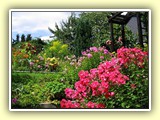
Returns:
<point x="94" y="61"/>
<point x="17" y="38"/>
<point x="28" y="38"/>
<point x="90" y="29"/>
<point x="31" y="89"/>
<point x="23" y="39"/>
<point x="25" y="52"/>
<point x="56" y="49"/>
<point x="100" y="26"/>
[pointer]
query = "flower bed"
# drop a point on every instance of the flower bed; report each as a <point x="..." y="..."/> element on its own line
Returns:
<point x="97" y="79"/>
<point x="97" y="86"/>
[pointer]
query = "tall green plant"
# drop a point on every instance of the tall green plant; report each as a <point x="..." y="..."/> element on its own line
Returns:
<point x="56" y="49"/>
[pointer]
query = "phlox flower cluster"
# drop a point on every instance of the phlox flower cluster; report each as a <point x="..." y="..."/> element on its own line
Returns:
<point x="132" y="55"/>
<point x="95" y="82"/>
<point x="89" y="51"/>
<point x="98" y="81"/>
<point x="74" y="61"/>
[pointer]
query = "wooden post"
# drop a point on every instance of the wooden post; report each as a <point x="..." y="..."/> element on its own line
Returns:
<point x="112" y="37"/>
<point x="123" y="35"/>
<point x="139" y="29"/>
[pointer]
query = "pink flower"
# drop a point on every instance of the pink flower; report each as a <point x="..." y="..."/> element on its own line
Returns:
<point x="79" y="87"/>
<point x="99" y="81"/>
<point x="101" y="49"/>
<point x="69" y="104"/>
<point x="94" y="49"/>
<point x="94" y="84"/>
<point x="101" y="57"/>
<point x="93" y="72"/>
<point x="105" y="51"/>
<point x="83" y="74"/>
<point x="84" y="53"/>
<point x="69" y="92"/>
<point x="90" y="104"/>
<point x="112" y="94"/>
<point x="108" y="42"/>
<point x="89" y="55"/>
<point x="31" y="63"/>
<point x="132" y="55"/>
<point x="14" y="100"/>
<point x="39" y="66"/>
<point x="100" y="105"/>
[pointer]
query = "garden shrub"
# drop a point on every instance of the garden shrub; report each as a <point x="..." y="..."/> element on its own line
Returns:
<point x="90" y="58"/>
<point x="56" y="49"/>
<point x="31" y="89"/>
<point x="97" y="79"/>
<point x="93" y="56"/>
<point x="22" y="55"/>
<point x="113" y="84"/>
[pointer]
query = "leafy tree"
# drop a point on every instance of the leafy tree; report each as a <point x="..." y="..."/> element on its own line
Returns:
<point x="17" y="38"/>
<point x="23" y="38"/>
<point x="100" y="26"/>
<point x="66" y="31"/>
<point x="83" y="35"/>
<point x="29" y="37"/>
<point x="89" y="29"/>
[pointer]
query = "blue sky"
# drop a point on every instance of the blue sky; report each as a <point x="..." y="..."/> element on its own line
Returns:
<point x="36" y="23"/>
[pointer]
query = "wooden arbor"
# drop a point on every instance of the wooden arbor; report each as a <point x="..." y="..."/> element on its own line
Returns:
<point x="122" y="18"/>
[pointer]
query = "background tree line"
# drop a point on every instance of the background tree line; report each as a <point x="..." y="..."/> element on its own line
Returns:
<point x="23" y="38"/>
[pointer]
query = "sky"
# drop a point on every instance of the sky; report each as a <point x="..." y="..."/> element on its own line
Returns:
<point x="36" y="23"/>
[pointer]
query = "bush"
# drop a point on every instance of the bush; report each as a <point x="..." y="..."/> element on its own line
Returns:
<point x="30" y="89"/>
<point x="90" y="58"/>
<point x="121" y="82"/>
<point x="56" y="49"/>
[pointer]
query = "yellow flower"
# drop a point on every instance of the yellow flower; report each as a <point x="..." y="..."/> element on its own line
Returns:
<point x="37" y="61"/>
<point x="48" y="59"/>
<point x="51" y="64"/>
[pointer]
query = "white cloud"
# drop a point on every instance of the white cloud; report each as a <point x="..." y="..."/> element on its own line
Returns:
<point x="32" y="21"/>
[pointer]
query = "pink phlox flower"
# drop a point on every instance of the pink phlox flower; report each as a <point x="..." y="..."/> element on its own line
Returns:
<point x="31" y="63"/>
<point x="89" y="55"/>
<point x="90" y="104"/>
<point x="100" y="105"/>
<point x="69" y="92"/>
<point x="14" y="100"/>
<point x="79" y="87"/>
<point x="105" y="51"/>
<point x="94" y="49"/>
<point x="95" y="85"/>
<point x="83" y="74"/>
<point x="93" y="72"/>
<point x="84" y="53"/>
<point x="102" y="57"/>
<point x="112" y="94"/>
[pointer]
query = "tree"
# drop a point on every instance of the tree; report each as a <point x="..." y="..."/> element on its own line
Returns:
<point x="29" y="37"/>
<point x="23" y="38"/>
<point x="89" y="29"/>
<point x="66" y="32"/>
<point x="17" y="38"/>
<point x="83" y="35"/>
<point x="100" y="26"/>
